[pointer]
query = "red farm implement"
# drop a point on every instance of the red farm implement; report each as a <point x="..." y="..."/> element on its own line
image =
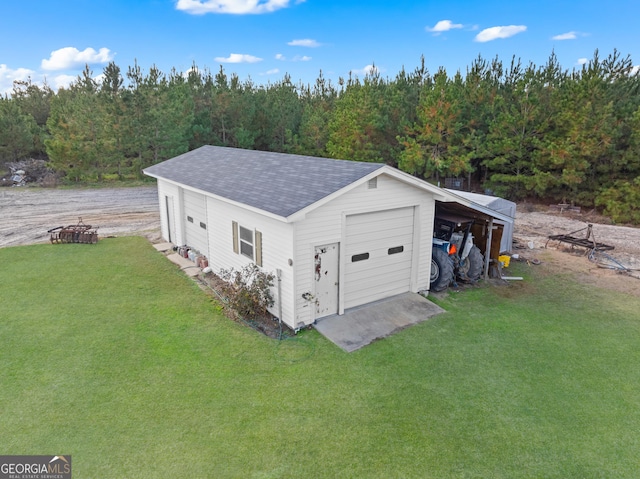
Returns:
<point x="79" y="233"/>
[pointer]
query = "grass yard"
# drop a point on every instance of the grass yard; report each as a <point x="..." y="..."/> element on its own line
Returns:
<point x="110" y="354"/>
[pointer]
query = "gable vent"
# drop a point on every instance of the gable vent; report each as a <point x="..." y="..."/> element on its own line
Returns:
<point x="373" y="183"/>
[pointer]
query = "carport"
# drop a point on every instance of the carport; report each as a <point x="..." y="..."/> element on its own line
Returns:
<point x="489" y="225"/>
<point x="499" y="205"/>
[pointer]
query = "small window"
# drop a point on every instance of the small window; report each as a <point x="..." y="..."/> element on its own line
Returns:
<point x="373" y="183"/>
<point x="395" y="250"/>
<point x="246" y="242"/>
<point x="359" y="257"/>
<point x="203" y="226"/>
<point x="190" y="219"/>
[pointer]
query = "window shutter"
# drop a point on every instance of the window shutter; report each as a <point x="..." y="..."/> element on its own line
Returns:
<point x="234" y="226"/>
<point x="258" y="246"/>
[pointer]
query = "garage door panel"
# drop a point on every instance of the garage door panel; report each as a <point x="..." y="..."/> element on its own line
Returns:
<point x="378" y="255"/>
<point x="380" y="274"/>
<point x="195" y="221"/>
<point x="361" y="297"/>
<point x="394" y="278"/>
<point x="388" y="225"/>
<point x="390" y="263"/>
<point x="381" y="241"/>
<point x="369" y="280"/>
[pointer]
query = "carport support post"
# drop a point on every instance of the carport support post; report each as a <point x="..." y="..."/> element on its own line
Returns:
<point x="487" y="253"/>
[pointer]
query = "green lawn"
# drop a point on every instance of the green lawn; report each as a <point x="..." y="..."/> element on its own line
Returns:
<point x="110" y="354"/>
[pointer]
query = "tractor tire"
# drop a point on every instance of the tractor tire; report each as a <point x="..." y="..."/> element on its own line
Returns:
<point x="441" y="270"/>
<point x="472" y="266"/>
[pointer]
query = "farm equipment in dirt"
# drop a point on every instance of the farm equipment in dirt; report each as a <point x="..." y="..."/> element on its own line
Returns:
<point x="588" y="242"/>
<point x="454" y="255"/>
<point x="78" y="233"/>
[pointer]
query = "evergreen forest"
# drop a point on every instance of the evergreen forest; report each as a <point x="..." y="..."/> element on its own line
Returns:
<point x="521" y="131"/>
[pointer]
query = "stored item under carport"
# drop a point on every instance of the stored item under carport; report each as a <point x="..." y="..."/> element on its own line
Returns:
<point x="79" y="233"/>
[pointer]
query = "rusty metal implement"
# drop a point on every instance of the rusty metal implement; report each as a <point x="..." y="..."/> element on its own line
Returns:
<point x="588" y="242"/>
<point x="78" y="233"/>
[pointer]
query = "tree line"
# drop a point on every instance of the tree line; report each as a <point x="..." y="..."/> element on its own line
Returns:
<point x="521" y="131"/>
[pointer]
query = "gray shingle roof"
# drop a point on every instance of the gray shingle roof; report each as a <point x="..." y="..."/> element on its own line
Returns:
<point x="278" y="183"/>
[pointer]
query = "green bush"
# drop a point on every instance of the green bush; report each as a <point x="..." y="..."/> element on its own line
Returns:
<point x="621" y="202"/>
<point x="249" y="290"/>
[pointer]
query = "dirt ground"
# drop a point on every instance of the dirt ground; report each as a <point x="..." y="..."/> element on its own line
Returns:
<point x="27" y="213"/>
<point x="533" y="226"/>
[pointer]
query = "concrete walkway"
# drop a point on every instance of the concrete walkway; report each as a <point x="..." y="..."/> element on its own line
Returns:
<point x="186" y="265"/>
<point x="360" y="326"/>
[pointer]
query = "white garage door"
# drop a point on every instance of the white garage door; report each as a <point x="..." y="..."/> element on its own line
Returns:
<point x="196" y="221"/>
<point x="379" y="250"/>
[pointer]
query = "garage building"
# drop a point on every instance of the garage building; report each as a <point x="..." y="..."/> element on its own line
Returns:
<point x="338" y="234"/>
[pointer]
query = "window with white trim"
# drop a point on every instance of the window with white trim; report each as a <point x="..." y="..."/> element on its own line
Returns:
<point x="246" y="242"/>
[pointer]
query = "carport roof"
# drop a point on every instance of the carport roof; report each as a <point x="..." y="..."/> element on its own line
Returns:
<point x="468" y="206"/>
<point x="278" y="183"/>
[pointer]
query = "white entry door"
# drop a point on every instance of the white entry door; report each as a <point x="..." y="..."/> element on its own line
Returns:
<point x="326" y="279"/>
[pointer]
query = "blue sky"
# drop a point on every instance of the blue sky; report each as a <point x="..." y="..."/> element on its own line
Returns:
<point x="265" y="39"/>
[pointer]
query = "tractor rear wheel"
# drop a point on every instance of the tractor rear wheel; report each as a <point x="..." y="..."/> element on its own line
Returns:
<point x="441" y="270"/>
<point x="472" y="266"/>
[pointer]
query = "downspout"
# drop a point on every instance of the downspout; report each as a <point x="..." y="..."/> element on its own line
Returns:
<point x="279" y="276"/>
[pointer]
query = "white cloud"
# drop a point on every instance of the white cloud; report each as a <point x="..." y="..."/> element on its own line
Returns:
<point x="297" y="58"/>
<point x="443" y="26"/>
<point x="273" y="71"/>
<point x="239" y="58"/>
<point x="8" y="76"/>
<point x="635" y="69"/>
<point x="63" y="81"/>
<point x="71" y="57"/>
<point x="239" y="7"/>
<point x="368" y="70"/>
<point x="493" y="33"/>
<point x="582" y="61"/>
<point x="306" y="42"/>
<point x="565" y="36"/>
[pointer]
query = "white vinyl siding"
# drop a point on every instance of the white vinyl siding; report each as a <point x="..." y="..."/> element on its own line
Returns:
<point x="328" y="224"/>
<point x="290" y="247"/>
<point x="166" y="189"/>
<point x="371" y="273"/>
<point x="273" y="246"/>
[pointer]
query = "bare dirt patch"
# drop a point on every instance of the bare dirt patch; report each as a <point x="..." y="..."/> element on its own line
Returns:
<point x="27" y="213"/>
<point x="535" y="227"/>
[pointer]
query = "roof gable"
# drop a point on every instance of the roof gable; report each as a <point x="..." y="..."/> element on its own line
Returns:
<point x="278" y="183"/>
